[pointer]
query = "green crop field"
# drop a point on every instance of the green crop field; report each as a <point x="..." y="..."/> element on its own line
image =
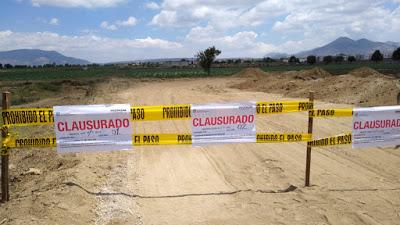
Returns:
<point x="106" y="71"/>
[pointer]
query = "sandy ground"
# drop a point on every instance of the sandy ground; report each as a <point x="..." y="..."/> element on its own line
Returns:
<point x="227" y="184"/>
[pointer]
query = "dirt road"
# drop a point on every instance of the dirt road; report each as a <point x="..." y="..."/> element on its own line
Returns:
<point x="227" y="184"/>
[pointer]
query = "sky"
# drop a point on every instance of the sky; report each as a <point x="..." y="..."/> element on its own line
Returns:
<point x="120" y="30"/>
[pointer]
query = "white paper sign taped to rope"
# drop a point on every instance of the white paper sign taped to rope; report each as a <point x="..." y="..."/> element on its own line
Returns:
<point x="223" y="123"/>
<point x="376" y="126"/>
<point x="87" y="128"/>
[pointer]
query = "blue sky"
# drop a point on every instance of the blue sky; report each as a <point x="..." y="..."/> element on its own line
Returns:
<point x="115" y="30"/>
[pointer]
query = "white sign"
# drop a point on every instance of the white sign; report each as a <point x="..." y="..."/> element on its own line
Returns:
<point x="376" y="126"/>
<point x="86" y="128"/>
<point x="223" y="123"/>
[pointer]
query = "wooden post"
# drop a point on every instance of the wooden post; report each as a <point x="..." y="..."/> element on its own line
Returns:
<point x="310" y="131"/>
<point x="5" y="196"/>
<point x="398" y="103"/>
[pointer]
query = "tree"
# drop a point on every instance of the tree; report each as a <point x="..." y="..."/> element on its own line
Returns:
<point x="268" y="59"/>
<point x="8" y="66"/>
<point x="339" y="58"/>
<point x="396" y="54"/>
<point x="311" y="59"/>
<point x="377" y="56"/>
<point x="327" y="59"/>
<point x="1" y="66"/>
<point x="351" y="58"/>
<point x="207" y="57"/>
<point x="293" y="59"/>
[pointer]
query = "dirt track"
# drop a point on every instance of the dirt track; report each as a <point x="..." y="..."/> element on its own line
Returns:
<point x="229" y="184"/>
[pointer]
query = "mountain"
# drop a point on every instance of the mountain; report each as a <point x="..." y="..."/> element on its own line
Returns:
<point x="37" y="57"/>
<point x="344" y="45"/>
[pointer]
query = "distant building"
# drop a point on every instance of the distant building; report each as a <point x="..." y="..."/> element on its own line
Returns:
<point x="303" y="60"/>
<point x="360" y="57"/>
<point x="175" y="63"/>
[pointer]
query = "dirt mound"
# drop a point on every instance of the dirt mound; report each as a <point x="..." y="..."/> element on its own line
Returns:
<point x="364" y="86"/>
<point x="365" y="72"/>
<point x="251" y="72"/>
<point x="312" y="74"/>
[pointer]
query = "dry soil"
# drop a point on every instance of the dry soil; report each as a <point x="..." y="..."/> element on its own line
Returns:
<point x="226" y="184"/>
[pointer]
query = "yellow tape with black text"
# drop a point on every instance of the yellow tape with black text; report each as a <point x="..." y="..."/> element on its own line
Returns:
<point x="157" y="139"/>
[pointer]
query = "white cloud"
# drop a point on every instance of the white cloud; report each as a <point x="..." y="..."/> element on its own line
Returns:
<point x="168" y="18"/>
<point x="152" y="5"/>
<point x="107" y="26"/>
<point x="78" y="3"/>
<point x="91" y="47"/>
<point x="131" y="21"/>
<point x="221" y="14"/>
<point x="297" y="24"/>
<point x="321" y="22"/>
<point x="54" y="21"/>
<point x="299" y="14"/>
<point x="240" y="44"/>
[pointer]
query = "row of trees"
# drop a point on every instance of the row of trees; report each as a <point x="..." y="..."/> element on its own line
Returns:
<point x="328" y="59"/>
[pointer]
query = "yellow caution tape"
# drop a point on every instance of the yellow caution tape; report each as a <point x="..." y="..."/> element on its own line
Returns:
<point x="282" y="107"/>
<point x="331" y="113"/>
<point x="137" y="140"/>
<point x="45" y="116"/>
<point x="342" y="139"/>
<point x="28" y="116"/>
<point x="276" y="137"/>
<point x="161" y="139"/>
<point x="5" y="151"/>
<point x="5" y="141"/>
<point x="165" y="112"/>
<point x="33" y="142"/>
<point x="156" y="139"/>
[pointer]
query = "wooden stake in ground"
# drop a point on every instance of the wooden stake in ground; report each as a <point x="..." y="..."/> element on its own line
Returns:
<point x="5" y="196"/>
<point x="310" y="131"/>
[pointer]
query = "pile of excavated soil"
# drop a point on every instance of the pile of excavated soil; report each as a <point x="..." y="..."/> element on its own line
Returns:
<point x="364" y="72"/>
<point x="251" y="73"/>
<point x="364" y="86"/>
<point x="312" y="74"/>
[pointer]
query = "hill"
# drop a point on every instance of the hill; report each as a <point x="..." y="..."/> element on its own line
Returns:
<point x="349" y="46"/>
<point x="345" y="45"/>
<point x="37" y="57"/>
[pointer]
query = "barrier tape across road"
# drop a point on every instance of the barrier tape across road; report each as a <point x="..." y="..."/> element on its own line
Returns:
<point x="157" y="139"/>
<point x="331" y="113"/>
<point x="45" y="116"/>
<point x="342" y="139"/>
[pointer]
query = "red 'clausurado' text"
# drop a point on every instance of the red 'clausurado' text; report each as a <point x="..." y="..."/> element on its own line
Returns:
<point x="222" y="120"/>
<point x="375" y="124"/>
<point x="92" y="125"/>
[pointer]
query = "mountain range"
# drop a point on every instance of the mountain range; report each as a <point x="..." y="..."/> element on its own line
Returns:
<point x="36" y="57"/>
<point x="345" y="45"/>
<point x="342" y="45"/>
